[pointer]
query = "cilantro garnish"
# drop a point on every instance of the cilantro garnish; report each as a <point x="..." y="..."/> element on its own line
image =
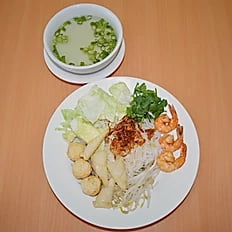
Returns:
<point x="145" y="104"/>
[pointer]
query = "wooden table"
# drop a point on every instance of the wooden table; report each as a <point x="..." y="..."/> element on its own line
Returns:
<point x="182" y="45"/>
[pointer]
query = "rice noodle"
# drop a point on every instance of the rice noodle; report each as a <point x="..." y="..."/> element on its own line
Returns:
<point x="142" y="171"/>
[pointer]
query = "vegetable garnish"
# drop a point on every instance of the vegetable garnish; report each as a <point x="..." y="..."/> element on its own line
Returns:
<point x="145" y="104"/>
<point x="104" y="43"/>
<point x="80" y="20"/>
<point x="84" y="120"/>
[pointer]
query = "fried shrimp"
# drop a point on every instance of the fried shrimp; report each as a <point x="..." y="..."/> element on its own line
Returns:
<point x="164" y="124"/>
<point x="167" y="161"/>
<point x="168" y="143"/>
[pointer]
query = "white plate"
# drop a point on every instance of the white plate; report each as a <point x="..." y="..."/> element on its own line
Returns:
<point x="85" y="78"/>
<point x="170" y="191"/>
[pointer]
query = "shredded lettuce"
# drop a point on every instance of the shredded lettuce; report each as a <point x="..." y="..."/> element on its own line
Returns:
<point x="85" y="130"/>
<point x="82" y="122"/>
<point x="66" y="126"/>
<point x="121" y="92"/>
<point x="92" y="105"/>
<point x="109" y="111"/>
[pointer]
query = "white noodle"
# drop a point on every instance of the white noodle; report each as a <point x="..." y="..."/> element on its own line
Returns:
<point x="142" y="171"/>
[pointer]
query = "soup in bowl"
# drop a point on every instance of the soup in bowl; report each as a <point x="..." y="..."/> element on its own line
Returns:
<point x="83" y="38"/>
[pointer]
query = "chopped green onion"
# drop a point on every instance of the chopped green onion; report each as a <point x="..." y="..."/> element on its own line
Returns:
<point x="104" y="43"/>
<point x="80" y="20"/>
<point x="60" y="39"/>
<point x="67" y="23"/>
<point x="56" y="53"/>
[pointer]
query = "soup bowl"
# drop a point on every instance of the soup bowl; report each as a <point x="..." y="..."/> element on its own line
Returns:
<point x="77" y="10"/>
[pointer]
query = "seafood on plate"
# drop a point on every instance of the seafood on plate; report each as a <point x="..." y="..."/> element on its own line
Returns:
<point x="167" y="162"/>
<point x="164" y="124"/>
<point x="168" y="143"/>
<point x="119" y="149"/>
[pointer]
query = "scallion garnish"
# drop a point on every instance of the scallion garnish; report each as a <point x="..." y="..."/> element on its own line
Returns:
<point x="104" y="43"/>
<point x="56" y="53"/>
<point x="80" y="20"/>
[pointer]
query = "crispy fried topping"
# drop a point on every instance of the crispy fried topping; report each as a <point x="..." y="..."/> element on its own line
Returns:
<point x="125" y="136"/>
<point x="150" y="133"/>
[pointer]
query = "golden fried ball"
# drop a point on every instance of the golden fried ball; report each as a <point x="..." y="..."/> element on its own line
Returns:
<point x="91" y="185"/>
<point x="75" y="149"/>
<point x="81" y="168"/>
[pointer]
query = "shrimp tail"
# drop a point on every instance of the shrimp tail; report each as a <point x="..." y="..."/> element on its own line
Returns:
<point x="181" y="159"/>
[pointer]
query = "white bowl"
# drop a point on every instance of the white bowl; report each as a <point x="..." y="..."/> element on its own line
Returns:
<point x="79" y="10"/>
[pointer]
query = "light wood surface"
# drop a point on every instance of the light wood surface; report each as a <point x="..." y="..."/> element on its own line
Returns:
<point x="184" y="46"/>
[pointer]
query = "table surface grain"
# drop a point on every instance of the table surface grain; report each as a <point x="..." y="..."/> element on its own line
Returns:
<point x="184" y="46"/>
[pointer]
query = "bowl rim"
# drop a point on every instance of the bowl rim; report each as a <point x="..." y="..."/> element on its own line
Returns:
<point x="91" y="66"/>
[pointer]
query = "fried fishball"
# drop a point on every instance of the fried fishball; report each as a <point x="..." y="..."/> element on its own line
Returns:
<point x="75" y="149"/>
<point x="91" y="185"/>
<point x="81" y="169"/>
